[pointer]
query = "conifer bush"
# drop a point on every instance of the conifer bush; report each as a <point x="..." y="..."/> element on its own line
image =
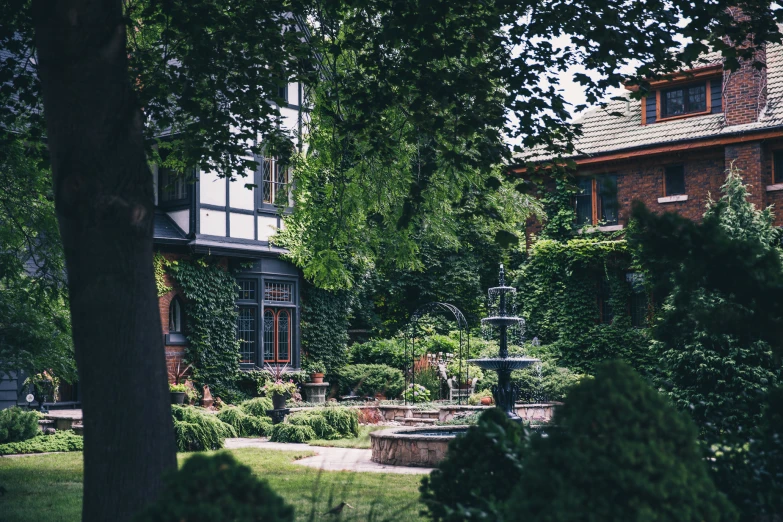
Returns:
<point x="195" y="430"/>
<point x="287" y="432"/>
<point x="257" y="407"/>
<point x="58" y="442"/>
<point x="216" y="487"/>
<point x="620" y="452"/>
<point x="478" y="473"/>
<point x="329" y="423"/>
<point x="367" y="380"/>
<point x="17" y="424"/>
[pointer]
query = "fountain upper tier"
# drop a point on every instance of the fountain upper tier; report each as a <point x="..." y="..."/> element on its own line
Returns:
<point x="503" y="320"/>
<point x="507" y="363"/>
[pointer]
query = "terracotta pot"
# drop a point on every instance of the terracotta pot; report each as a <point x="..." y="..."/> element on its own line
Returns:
<point x="278" y="402"/>
<point x="486" y="401"/>
<point x="317" y="378"/>
<point x="177" y="397"/>
<point x="207" y="399"/>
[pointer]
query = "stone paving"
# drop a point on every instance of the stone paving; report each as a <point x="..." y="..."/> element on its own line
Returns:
<point x="329" y="459"/>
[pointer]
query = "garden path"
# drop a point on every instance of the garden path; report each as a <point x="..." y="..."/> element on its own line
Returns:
<point x="329" y="459"/>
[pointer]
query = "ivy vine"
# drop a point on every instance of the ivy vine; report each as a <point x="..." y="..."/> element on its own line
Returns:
<point x="213" y="350"/>
<point x="325" y="318"/>
<point x="159" y="265"/>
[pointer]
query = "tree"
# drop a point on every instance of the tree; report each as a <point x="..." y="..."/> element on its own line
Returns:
<point x="618" y="451"/>
<point x="721" y="322"/>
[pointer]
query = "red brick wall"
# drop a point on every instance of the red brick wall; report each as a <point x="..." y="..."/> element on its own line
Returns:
<point x="744" y="90"/>
<point x="750" y="159"/>
<point x="174" y="354"/>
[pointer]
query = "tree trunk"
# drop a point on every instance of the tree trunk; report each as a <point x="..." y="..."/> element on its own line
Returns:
<point x="104" y="202"/>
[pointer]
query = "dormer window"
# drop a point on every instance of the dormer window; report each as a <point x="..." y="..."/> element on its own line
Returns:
<point x="172" y="186"/>
<point x="687" y="99"/>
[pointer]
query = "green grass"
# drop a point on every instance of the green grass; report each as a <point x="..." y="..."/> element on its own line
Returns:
<point x="49" y="487"/>
<point x="361" y="442"/>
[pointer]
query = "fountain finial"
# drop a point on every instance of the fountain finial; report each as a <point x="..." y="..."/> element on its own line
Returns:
<point x="502" y="275"/>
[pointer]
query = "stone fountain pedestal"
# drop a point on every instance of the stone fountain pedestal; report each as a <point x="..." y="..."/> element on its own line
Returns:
<point x="315" y="392"/>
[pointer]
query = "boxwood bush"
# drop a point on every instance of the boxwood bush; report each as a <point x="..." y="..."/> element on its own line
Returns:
<point x="216" y="487"/>
<point x="17" y="424"/>
<point x="367" y="380"/>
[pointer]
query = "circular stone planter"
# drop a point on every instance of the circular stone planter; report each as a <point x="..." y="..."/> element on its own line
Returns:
<point x="418" y="447"/>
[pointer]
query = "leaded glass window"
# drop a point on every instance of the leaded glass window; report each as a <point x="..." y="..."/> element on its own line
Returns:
<point x="274" y="181"/>
<point x="684" y="100"/>
<point x="171" y="186"/>
<point x="607" y="193"/>
<point x="583" y="202"/>
<point x="175" y="316"/>
<point x="279" y="292"/>
<point x="246" y="334"/>
<point x="269" y="336"/>
<point x="247" y="290"/>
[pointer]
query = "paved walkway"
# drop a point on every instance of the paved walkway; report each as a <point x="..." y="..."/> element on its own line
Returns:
<point x="329" y="459"/>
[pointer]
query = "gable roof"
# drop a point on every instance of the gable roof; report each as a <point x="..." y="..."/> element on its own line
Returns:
<point x="604" y="132"/>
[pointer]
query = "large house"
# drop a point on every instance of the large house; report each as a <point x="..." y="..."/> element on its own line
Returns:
<point x="671" y="149"/>
<point x="211" y="215"/>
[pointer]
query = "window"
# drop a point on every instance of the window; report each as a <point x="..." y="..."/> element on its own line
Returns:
<point x="583" y="202"/>
<point x="277" y="335"/>
<point x="175" y="316"/>
<point x="279" y="292"/>
<point x="638" y="300"/>
<point x="687" y="99"/>
<point x="777" y="167"/>
<point x="599" y="194"/>
<point x="246" y="334"/>
<point x="607" y="199"/>
<point x="247" y="290"/>
<point x="172" y="186"/>
<point x="604" y="303"/>
<point x="274" y="181"/>
<point x="674" y="180"/>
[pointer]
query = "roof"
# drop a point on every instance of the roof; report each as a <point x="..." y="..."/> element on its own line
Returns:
<point x="165" y="230"/>
<point x="604" y="132"/>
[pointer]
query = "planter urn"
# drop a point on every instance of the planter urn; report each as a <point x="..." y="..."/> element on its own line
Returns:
<point x="317" y="378"/>
<point x="177" y="397"/>
<point x="278" y="402"/>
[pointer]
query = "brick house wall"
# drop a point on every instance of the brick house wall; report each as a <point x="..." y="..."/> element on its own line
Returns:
<point x="174" y="354"/>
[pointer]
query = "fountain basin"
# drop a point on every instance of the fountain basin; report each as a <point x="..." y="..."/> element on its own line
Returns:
<point x="417" y="447"/>
<point x="507" y="363"/>
<point x="502" y="320"/>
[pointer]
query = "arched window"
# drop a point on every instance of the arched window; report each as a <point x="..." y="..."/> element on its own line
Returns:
<point x="277" y="335"/>
<point x="175" y="316"/>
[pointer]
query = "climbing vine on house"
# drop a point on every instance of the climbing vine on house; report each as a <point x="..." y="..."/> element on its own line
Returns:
<point x="562" y="287"/>
<point x="159" y="265"/>
<point x="213" y="350"/>
<point x="324" y="322"/>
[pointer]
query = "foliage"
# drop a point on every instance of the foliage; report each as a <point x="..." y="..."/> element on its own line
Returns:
<point x="429" y="379"/>
<point x="367" y="380"/>
<point x="311" y="366"/>
<point x="287" y="432"/>
<point x="475" y="399"/>
<point x="45" y="386"/>
<point x="720" y="323"/>
<point x="324" y="325"/>
<point x="256" y="407"/>
<point x="198" y="431"/>
<point x="559" y="287"/>
<point x="213" y="350"/>
<point x="17" y="424"/>
<point x="216" y="487"/>
<point x="765" y="456"/>
<point x="244" y="424"/>
<point x="59" y="441"/>
<point x="35" y="326"/>
<point x="545" y="382"/>
<point x="251" y="382"/>
<point x="416" y="393"/>
<point x="458" y="368"/>
<point x="329" y="423"/>
<point x="479" y="471"/>
<point x="462" y="419"/>
<point x="178" y="388"/>
<point x="279" y="387"/>
<point x="620" y="451"/>
<point x="158" y="263"/>
<point x="390" y="352"/>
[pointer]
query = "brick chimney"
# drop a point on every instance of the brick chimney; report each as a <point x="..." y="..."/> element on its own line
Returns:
<point x="745" y="89"/>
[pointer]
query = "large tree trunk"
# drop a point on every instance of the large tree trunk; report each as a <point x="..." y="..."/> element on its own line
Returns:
<point x="104" y="202"/>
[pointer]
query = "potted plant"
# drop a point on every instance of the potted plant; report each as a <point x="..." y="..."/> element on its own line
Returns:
<point x="315" y="369"/>
<point x="279" y="389"/>
<point x="178" y="393"/>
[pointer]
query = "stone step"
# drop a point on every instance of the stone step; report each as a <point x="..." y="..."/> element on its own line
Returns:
<point x="414" y="422"/>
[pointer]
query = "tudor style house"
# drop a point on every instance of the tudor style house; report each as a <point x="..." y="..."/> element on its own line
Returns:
<point x="671" y="149"/>
<point x="225" y="219"/>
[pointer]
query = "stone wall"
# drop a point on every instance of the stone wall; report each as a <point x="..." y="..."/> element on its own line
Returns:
<point x="400" y="447"/>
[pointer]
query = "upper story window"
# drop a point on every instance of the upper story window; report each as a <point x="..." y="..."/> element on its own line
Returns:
<point x="674" y="180"/>
<point x="171" y="186"/>
<point x="682" y="100"/>
<point x="777" y="167"/>
<point x="596" y="202"/>
<point x="274" y="182"/>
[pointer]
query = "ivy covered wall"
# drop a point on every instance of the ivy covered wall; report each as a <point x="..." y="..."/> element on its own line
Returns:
<point x="567" y="291"/>
<point x="324" y="320"/>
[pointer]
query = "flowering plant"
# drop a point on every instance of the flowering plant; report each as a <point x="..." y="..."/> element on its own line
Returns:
<point x="280" y="387"/>
<point x="416" y="393"/>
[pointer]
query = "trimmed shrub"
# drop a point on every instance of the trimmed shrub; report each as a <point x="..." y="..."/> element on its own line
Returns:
<point x="328" y="423"/>
<point x="59" y="441"/>
<point x="17" y="424"/>
<point x="198" y="431"/>
<point x="216" y="487"/>
<point x="478" y="473"/>
<point x="257" y="407"/>
<point x="244" y="424"/>
<point x="371" y="379"/>
<point x="285" y="432"/>
<point x="390" y="352"/>
<point x="620" y="451"/>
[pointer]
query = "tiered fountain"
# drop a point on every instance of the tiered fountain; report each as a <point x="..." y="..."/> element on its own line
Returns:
<point x="503" y="320"/>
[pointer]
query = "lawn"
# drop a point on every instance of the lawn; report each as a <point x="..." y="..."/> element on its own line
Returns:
<point x="362" y="441"/>
<point x="49" y="487"/>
